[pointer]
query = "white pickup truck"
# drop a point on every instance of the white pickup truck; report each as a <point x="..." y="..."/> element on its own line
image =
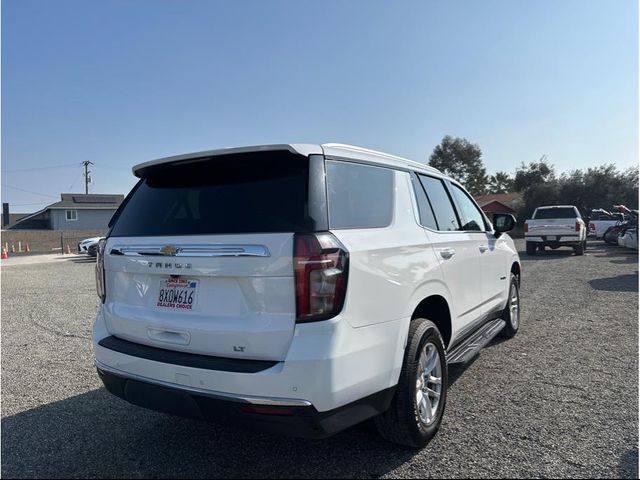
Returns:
<point x="600" y="220"/>
<point x="556" y="226"/>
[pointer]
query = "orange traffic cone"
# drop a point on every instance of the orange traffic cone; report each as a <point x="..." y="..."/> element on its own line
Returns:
<point x="27" y="249"/>
<point x="4" y="255"/>
<point x="68" y="250"/>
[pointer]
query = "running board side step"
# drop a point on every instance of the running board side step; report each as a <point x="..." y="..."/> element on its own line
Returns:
<point x="472" y="345"/>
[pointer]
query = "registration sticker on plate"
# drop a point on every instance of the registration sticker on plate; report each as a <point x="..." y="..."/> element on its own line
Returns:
<point x="177" y="293"/>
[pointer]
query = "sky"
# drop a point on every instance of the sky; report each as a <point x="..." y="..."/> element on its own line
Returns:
<point x="120" y="82"/>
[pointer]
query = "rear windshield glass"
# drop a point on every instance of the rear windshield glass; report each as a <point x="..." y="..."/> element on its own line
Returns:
<point x="562" y="212"/>
<point x="265" y="192"/>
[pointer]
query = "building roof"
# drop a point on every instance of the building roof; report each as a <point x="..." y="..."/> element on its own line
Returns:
<point x="508" y="199"/>
<point x="92" y="201"/>
<point x="13" y="218"/>
<point x="329" y="149"/>
<point x="497" y="207"/>
<point x="78" y="201"/>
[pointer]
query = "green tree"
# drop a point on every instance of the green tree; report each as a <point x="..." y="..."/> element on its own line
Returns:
<point x="462" y="160"/>
<point x="594" y="187"/>
<point x="501" y="182"/>
<point x="599" y="187"/>
<point x="545" y="193"/>
<point x="533" y="174"/>
<point x="538" y="184"/>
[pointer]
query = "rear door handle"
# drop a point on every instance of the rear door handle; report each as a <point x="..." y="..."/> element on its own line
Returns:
<point x="447" y="252"/>
<point x="483" y="248"/>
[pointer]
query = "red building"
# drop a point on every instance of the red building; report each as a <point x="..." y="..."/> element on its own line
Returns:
<point x="500" y="203"/>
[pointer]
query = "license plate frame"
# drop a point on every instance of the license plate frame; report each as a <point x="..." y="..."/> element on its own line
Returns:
<point x="177" y="294"/>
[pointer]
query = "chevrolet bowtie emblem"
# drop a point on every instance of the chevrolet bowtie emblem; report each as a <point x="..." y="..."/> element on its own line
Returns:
<point x="169" y="250"/>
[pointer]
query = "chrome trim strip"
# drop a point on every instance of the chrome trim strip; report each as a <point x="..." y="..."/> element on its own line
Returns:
<point x="554" y="225"/>
<point x="193" y="250"/>
<point x="282" y="402"/>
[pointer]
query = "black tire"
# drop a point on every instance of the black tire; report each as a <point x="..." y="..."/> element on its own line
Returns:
<point x="401" y="423"/>
<point x="541" y="247"/>
<point x="513" y="324"/>
<point x="579" y="249"/>
<point x="611" y="236"/>
<point x="531" y="248"/>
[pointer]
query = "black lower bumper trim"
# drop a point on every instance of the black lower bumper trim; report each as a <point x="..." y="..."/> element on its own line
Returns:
<point x="304" y="422"/>
<point x="235" y="365"/>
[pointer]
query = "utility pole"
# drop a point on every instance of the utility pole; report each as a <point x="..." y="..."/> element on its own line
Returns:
<point x="87" y="177"/>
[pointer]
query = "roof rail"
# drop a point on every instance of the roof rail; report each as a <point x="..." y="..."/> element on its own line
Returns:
<point x="375" y="153"/>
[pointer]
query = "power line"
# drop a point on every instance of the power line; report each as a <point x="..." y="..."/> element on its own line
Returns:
<point x="40" y="168"/>
<point x="27" y="204"/>
<point x="74" y="182"/>
<point x="28" y="191"/>
<point x="120" y="169"/>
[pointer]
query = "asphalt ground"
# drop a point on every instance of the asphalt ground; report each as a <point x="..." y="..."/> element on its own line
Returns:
<point x="558" y="400"/>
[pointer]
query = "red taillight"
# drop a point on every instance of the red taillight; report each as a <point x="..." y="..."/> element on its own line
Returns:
<point x="592" y="227"/>
<point x="320" y="265"/>
<point x="100" y="280"/>
<point x="577" y="226"/>
<point x="526" y="227"/>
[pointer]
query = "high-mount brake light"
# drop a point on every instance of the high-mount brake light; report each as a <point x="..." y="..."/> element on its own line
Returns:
<point x="321" y="269"/>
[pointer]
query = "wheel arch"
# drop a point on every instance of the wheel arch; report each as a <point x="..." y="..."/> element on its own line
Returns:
<point x="436" y="308"/>
<point x="517" y="271"/>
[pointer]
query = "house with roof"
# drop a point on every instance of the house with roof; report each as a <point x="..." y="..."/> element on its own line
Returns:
<point x="500" y="203"/>
<point x="10" y="219"/>
<point x="74" y="211"/>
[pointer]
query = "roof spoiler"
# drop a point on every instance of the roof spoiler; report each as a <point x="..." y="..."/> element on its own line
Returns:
<point x="301" y="149"/>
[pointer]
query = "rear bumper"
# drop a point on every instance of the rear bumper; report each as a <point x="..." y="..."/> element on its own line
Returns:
<point x="292" y="420"/>
<point x="554" y="239"/>
<point x="329" y="365"/>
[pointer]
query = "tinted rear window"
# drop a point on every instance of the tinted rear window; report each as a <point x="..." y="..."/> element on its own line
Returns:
<point x="441" y="203"/>
<point x="264" y="192"/>
<point x="424" y="207"/>
<point x="550" y="213"/>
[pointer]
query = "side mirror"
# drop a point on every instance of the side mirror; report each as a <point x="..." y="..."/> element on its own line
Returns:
<point x="503" y="222"/>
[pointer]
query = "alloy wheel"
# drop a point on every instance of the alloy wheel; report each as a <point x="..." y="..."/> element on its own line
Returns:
<point x="429" y="383"/>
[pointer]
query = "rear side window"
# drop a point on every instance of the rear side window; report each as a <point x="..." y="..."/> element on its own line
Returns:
<point x="424" y="208"/>
<point x="359" y="196"/>
<point x="471" y="217"/>
<point x="441" y="203"/>
<point x="265" y="192"/>
<point x="560" y="212"/>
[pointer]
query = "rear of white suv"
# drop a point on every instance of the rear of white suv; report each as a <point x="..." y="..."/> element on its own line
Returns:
<point x="277" y="287"/>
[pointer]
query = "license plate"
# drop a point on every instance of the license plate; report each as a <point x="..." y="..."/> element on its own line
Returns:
<point x="177" y="293"/>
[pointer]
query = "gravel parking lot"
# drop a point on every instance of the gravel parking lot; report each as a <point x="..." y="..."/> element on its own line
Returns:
<point x="559" y="400"/>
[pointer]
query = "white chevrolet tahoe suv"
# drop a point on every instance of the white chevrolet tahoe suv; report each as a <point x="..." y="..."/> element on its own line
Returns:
<point x="555" y="226"/>
<point x="299" y="289"/>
